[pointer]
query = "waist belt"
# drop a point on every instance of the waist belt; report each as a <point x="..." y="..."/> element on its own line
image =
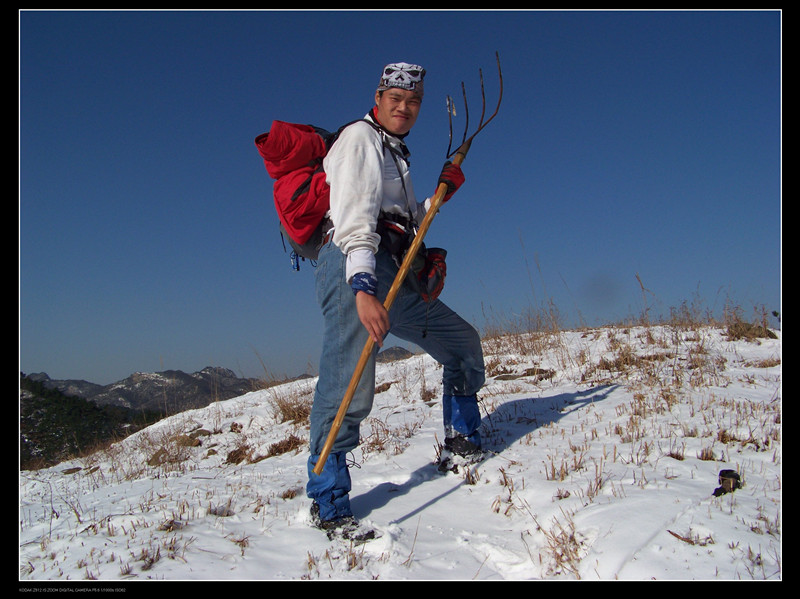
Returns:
<point x="397" y="232"/>
<point x="397" y="220"/>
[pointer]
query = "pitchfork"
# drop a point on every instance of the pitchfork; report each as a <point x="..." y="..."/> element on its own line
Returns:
<point x="436" y="202"/>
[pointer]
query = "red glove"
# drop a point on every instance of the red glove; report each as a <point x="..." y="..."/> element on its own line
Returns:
<point x="452" y="176"/>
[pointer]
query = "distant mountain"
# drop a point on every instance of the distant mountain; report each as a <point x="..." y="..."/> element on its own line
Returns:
<point x="391" y="354"/>
<point x="63" y="418"/>
<point x="168" y="392"/>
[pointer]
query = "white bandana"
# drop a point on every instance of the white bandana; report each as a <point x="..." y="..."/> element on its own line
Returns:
<point x="402" y="75"/>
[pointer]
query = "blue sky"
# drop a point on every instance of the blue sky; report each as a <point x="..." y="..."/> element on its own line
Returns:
<point x="628" y="143"/>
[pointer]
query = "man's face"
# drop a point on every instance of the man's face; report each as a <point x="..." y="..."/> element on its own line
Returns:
<point x="398" y="109"/>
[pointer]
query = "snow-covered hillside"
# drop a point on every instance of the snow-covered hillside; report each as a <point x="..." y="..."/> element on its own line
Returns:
<point x="606" y="446"/>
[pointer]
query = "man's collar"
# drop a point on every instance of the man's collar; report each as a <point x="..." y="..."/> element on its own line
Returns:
<point x="373" y="116"/>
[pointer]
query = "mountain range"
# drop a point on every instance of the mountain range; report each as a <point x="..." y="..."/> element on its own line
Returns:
<point x="168" y="392"/>
<point x="173" y="391"/>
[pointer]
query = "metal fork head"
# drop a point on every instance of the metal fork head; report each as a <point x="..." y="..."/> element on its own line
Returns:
<point x="466" y="141"/>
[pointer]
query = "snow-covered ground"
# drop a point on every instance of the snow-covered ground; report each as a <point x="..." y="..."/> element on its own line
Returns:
<point x="606" y="447"/>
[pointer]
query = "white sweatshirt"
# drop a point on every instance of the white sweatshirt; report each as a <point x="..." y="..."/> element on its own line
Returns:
<point x="366" y="180"/>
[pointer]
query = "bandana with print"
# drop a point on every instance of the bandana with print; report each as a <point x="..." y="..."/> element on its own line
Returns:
<point x="402" y="75"/>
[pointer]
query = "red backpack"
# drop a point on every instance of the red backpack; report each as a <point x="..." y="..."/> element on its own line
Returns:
<point x="293" y="156"/>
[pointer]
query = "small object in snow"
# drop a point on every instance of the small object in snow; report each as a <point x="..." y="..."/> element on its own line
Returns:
<point x="729" y="481"/>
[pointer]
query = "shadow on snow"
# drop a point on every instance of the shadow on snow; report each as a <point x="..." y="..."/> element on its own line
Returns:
<point x="507" y="424"/>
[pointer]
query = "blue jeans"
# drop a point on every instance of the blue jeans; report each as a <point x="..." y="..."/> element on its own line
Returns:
<point x="434" y="327"/>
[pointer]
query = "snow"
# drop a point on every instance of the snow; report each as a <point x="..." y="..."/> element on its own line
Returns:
<point x="605" y="448"/>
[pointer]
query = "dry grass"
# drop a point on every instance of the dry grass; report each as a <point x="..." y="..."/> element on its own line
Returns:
<point x="667" y="365"/>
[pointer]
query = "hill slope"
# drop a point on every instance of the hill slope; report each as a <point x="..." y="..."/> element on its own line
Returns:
<point x="605" y="445"/>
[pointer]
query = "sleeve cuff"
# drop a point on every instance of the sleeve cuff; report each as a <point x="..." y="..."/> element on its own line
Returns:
<point x="358" y="261"/>
<point x="365" y="282"/>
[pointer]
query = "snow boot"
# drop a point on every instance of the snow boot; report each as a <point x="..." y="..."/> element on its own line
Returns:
<point x="330" y="492"/>
<point x="463" y="447"/>
<point x="462" y="441"/>
<point x="344" y="527"/>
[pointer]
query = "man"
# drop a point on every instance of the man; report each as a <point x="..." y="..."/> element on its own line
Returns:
<point x="373" y="213"/>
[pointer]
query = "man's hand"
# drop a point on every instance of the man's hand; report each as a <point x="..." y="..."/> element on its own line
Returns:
<point x="373" y="316"/>
<point x="453" y="177"/>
